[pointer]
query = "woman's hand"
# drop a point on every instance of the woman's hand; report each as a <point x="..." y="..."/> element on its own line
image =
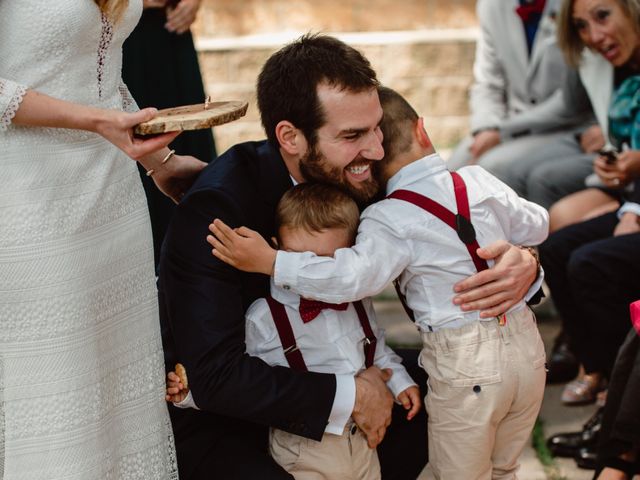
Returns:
<point x="117" y="128"/>
<point x="621" y="172"/>
<point x="180" y="18"/>
<point x="496" y="290"/>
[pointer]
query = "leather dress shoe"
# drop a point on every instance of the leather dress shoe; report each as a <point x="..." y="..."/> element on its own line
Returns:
<point x="587" y="458"/>
<point x="562" y="364"/>
<point x="570" y="444"/>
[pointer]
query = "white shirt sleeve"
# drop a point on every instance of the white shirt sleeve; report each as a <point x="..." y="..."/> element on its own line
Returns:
<point x="378" y="257"/>
<point x="188" y="402"/>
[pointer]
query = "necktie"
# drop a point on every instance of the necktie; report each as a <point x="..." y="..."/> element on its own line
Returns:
<point x="309" y="309"/>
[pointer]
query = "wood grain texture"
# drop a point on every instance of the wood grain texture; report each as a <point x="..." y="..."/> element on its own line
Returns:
<point x="192" y="117"/>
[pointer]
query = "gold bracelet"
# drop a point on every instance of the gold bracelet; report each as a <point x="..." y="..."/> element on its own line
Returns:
<point x="169" y="155"/>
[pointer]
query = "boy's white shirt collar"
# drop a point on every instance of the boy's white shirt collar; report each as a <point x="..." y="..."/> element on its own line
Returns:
<point x="432" y="162"/>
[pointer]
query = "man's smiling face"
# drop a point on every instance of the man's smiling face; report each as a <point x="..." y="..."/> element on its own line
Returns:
<point x="348" y="143"/>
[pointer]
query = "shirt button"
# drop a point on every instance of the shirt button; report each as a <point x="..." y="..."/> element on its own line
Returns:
<point x="354" y="429"/>
<point x="477" y="388"/>
<point x="286" y="287"/>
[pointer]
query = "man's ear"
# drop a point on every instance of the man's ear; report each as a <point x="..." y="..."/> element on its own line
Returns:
<point x="290" y="138"/>
<point x="421" y="134"/>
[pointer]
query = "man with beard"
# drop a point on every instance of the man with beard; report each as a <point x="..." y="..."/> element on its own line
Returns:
<point x="320" y="109"/>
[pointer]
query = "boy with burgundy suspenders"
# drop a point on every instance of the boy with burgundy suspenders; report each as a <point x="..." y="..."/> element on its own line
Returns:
<point x="307" y="335"/>
<point x="486" y="375"/>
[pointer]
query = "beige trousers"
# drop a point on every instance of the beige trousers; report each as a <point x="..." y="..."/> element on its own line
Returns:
<point x="486" y="384"/>
<point x="336" y="457"/>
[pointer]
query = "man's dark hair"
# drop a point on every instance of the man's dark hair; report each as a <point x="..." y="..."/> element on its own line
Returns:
<point x="397" y="123"/>
<point x="287" y="84"/>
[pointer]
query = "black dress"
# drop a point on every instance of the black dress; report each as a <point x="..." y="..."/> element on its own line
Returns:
<point x="161" y="70"/>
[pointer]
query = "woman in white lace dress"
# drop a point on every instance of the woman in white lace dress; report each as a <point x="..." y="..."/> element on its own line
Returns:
<point x="81" y="365"/>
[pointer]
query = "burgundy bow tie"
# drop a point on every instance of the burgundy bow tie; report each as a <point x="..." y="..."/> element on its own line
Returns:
<point x="528" y="9"/>
<point x="309" y="309"/>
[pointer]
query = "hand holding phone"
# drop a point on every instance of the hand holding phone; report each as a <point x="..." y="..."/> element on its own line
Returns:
<point x="610" y="156"/>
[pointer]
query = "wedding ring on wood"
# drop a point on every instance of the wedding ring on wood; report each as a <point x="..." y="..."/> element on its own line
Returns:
<point x="169" y="155"/>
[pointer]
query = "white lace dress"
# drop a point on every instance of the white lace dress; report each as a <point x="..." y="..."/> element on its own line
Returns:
<point x="81" y="365"/>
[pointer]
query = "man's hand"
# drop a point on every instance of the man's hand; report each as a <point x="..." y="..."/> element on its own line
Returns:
<point x="483" y="142"/>
<point x="410" y="400"/>
<point x="497" y="289"/>
<point x="374" y="401"/>
<point x="242" y="248"/>
<point x="592" y="140"/>
<point x="176" y="176"/>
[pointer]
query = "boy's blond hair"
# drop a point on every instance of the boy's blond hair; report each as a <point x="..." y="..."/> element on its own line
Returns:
<point x="317" y="206"/>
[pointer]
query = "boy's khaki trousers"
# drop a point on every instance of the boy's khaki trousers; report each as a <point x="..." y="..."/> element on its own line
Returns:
<point x="486" y="384"/>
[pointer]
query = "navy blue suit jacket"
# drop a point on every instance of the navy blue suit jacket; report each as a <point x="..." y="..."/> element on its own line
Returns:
<point x="202" y="306"/>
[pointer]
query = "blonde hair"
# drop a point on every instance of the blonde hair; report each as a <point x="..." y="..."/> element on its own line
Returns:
<point x="568" y="38"/>
<point x="112" y="8"/>
<point x="315" y="207"/>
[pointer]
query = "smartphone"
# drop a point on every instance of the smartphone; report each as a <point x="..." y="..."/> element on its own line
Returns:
<point x="610" y="156"/>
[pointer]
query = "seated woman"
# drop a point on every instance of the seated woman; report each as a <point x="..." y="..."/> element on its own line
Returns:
<point x="592" y="267"/>
<point x="608" y="69"/>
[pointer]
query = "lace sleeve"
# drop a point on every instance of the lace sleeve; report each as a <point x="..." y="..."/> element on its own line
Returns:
<point x="11" y="94"/>
<point x="128" y="103"/>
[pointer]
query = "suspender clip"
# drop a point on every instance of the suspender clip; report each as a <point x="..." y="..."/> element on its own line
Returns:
<point x="465" y="229"/>
<point x="290" y="349"/>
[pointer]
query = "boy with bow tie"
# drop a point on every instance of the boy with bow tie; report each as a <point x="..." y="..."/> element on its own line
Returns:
<point x="307" y="335"/>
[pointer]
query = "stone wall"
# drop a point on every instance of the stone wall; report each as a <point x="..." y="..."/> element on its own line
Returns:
<point x="424" y="49"/>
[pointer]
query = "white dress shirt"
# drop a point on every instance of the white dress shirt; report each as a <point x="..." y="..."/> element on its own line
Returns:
<point x="330" y="343"/>
<point x="399" y="239"/>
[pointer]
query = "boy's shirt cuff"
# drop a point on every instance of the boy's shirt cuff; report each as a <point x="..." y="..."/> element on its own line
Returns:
<point x="188" y="402"/>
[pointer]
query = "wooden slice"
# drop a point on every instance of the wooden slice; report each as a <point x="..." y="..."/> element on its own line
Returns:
<point x="193" y="117"/>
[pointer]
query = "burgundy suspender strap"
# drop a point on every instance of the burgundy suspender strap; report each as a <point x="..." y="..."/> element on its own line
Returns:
<point x="291" y="351"/>
<point x="370" y="339"/>
<point x="460" y="222"/>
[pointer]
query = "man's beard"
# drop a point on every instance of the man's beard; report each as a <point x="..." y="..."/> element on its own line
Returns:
<point x="314" y="167"/>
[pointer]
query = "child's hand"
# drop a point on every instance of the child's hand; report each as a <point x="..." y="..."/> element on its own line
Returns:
<point x="410" y="400"/>
<point x="176" y="391"/>
<point x="242" y="248"/>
